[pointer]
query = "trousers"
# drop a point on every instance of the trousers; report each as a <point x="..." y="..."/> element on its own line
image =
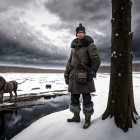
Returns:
<point x="87" y="104"/>
<point x="86" y="99"/>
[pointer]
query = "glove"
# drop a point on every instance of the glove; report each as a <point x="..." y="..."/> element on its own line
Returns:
<point x="67" y="80"/>
<point x="91" y="75"/>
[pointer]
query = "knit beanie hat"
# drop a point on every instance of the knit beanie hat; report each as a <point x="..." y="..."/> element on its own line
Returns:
<point x="80" y="28"/>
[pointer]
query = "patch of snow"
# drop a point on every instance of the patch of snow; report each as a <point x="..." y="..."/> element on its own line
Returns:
<point x="36" y="83"/>
<point x="55" y="126"/>
<point x="119" y="74"/>
<point x="114" y="52"/>
<point x="6" y="104"/>
<point x="116" y="34"/>
<point x="131" y="53"/>
<point x="130" y="33"/>
<point x="122" y="8"/>
<point x="113" y="19"/>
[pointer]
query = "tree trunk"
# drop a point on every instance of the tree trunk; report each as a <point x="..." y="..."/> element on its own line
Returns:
<point x="120" y="101"/>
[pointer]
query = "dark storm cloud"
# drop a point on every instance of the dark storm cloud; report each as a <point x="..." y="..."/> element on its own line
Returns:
<point x="8" y="4"/>
<point x="77" y="9"/>
<point x="136" y="6"/>
<point x="15" y="53"/>
<point x="91" y="13"/>
<point x="21" y="43"/>
<point x="95" y="15"/>
<point x="136" y="28"/>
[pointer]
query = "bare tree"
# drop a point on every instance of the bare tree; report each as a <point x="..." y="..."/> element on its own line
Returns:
<point x="121" y="101"/>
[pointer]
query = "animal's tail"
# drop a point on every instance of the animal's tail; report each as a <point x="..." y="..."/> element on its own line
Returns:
<point x="23" y="81"/>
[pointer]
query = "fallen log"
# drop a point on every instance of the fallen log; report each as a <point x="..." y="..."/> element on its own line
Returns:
<point x="32" y="98"/>
<point x="16" y="107"/>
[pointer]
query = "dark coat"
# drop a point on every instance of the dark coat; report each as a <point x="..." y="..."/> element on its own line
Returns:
<point x="87" y="52"/>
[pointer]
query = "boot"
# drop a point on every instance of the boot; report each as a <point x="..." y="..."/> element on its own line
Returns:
<point x="75" y="118"/>
<point x="87" y="121"/>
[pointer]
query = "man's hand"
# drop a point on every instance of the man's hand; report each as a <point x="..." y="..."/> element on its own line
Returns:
<point x="91" y="75"/>
<point x="67" y="80"/>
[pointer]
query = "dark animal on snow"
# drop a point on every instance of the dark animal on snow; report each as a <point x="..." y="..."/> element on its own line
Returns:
<point x="48" y="86"/>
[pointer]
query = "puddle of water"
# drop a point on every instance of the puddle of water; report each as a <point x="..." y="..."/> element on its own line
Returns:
<point x="13" y="122"/>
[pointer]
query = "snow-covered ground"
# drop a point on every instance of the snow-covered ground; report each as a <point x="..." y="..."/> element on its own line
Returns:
<point x="35" y="83"/>
<point x="55" y="126"/>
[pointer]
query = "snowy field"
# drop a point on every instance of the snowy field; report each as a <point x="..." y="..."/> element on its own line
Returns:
<point x="55" y="126"/>
<point x="36" y="83"/>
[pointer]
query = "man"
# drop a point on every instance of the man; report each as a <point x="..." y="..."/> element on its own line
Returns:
<point x="84" y="61"/>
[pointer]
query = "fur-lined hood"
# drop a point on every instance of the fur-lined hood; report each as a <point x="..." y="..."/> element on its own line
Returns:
<point x="83" y="42"/>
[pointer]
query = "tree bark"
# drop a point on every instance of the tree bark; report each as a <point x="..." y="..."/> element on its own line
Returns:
<point x="121" y="101"/>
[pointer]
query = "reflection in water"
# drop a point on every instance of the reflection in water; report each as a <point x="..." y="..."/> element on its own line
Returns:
<point x="13" y="122"/>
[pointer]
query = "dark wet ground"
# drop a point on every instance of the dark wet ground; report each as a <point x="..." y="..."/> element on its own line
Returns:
<point x="13" y="122"/>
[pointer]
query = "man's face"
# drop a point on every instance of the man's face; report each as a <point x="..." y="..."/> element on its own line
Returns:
<point x="80" y="35"/>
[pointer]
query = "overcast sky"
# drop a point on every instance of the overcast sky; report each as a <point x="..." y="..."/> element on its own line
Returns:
<point x="39" y="32"/>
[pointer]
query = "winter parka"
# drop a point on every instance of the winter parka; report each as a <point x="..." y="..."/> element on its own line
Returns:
<point x="87" y="52"/>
